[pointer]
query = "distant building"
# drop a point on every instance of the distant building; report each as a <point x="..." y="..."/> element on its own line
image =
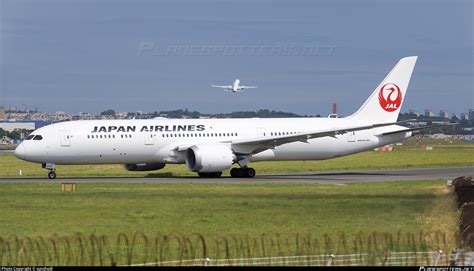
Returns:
<point x="12" y="126"/>
<point x="3" y="116"/>
<point x="85" y="116"/>
<point x="121" y="115"/>
<point x="471" y="114"/>
<point x="455" y="115"/>
<point x="413" y="112"/>
<point x="443" y="114"/>
<point x="334" y="111"/>
<point x="465" y="116"/>
<point x="5" y="140"/>
<point x="429" y="113"/>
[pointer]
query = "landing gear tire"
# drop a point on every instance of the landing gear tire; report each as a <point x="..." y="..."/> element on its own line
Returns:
<point x="246" y="172"/>
<point x="250" y="172"/>
<point x="52" y="175"/>
<point x="210" y="174"/>
<point x="236" y="172"/>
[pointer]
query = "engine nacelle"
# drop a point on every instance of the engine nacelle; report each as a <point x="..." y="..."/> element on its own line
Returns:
<point x="144" y="166"/>
<point x="209" y="157"/>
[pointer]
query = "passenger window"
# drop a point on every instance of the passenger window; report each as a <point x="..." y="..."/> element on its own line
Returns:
<point x="37" y="137"/>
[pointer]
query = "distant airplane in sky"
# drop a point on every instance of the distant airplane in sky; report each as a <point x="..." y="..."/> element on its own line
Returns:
<point x="235" y="87"/>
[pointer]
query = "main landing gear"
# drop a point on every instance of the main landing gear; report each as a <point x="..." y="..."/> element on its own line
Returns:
<point x="243" y="172"/>
<point x="52" y="170"/>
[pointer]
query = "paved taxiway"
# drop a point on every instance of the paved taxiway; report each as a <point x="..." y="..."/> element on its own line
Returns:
<point x="336" y="177"/>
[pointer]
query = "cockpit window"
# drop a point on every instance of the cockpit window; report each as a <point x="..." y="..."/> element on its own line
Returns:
<point x="37" y="137"/>
<point x="29" y="137"/>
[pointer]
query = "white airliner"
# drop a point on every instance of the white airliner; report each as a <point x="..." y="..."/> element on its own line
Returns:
<point x="210" y="146"/>
<point x="235" y="87"/>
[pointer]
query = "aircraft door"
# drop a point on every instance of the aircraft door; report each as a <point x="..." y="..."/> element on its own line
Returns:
<point x="351" y="137"/>
<point x="65" y="138"/>
<point x="149" y="139"/>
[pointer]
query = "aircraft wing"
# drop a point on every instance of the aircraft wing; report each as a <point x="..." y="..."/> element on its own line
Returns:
<point x="216" y="86"/>
<point x="255" y="145"/>
<point x="417" y="129"/>
<point x="245" y="87"/>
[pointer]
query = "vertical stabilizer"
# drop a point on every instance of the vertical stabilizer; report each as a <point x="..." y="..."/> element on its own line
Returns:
<point x="384" y="104"/>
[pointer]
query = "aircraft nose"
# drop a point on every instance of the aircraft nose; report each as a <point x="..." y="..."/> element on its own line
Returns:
<point x="20" y="151"/>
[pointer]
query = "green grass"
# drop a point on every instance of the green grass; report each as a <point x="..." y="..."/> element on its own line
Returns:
<point x="444" y="153"/>
<point x="33" y="209"/>
<point x="215" y="210"/>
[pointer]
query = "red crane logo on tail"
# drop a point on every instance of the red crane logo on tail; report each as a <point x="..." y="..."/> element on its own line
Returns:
<point x="390" y="97"/>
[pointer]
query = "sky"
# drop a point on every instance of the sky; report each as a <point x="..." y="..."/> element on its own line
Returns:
<point x="130" y="55"/>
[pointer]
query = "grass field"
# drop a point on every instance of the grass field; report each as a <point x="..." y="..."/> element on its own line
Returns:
<point x="236" y="221"/>
<point x="444" y="153"/>
<point x="33" y="209"/>
<point x="215" y="210"/>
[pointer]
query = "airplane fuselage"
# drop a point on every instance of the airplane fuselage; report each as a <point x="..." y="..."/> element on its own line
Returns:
<point x="236" y="86"/>
<point x="158" y="140"/>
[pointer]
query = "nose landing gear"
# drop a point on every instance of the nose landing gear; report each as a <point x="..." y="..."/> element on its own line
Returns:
<point x="52" y="175"/>
<point x="52" y="170"/>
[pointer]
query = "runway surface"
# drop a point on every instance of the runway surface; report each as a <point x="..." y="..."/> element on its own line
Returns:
<point x="336" y="177"/>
